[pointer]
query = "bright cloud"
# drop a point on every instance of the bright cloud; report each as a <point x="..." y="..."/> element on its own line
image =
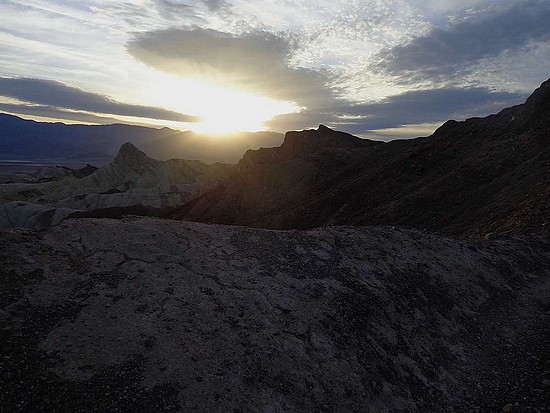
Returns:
<point x="288" y="63"/>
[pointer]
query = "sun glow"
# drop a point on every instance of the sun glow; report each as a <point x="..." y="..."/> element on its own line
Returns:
<point x="222" y="110"/>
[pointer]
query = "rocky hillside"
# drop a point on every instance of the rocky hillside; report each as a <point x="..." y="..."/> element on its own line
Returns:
<point x="469" y="178"/>
<point x="133" y="181"/>
<point x="179" y="317"/>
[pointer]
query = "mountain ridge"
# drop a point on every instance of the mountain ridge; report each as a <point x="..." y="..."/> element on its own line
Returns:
<point x="26" y="139"/>
<point x="469" y="178"/>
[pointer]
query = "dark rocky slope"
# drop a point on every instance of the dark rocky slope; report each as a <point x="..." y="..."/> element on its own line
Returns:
<point x="469" y="178"/>
<point x="147" y="315"/>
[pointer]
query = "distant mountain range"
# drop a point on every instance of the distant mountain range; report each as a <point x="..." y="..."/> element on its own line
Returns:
<point x="22" y="139"/>
<point x="469" y="178"/>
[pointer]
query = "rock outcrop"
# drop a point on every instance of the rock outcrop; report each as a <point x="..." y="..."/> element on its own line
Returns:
<point x="147" y="315"/>
<point x="298" y="144"/>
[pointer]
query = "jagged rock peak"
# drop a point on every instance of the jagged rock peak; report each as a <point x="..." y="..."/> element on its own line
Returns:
<point x="130" y="160"/>
<point x="323" y="128"/>
<point x="128" y="151"/>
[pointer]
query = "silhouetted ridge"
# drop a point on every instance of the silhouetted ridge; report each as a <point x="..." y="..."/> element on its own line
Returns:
<point x="302" y="144"/>
<point x="538" y="104"/>
<point x="535" y="112"/>
<point x="312" y="140"/>
<point x="472" y="178"/>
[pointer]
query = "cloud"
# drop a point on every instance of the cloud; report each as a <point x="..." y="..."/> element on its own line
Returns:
<point x="501" y="45"/>
<point x="301" y="120"/>
<point x="174" y="10"/>
<point x="179" y="6"/>
<point x="61" y="96"/>
<point x="55" y="113"/>
<point x="403" y="132"/>
<point x="256" y="62"/>
<point x="443" y="53"/>
<point x="410" y="108"/>
<point x="215" y="5"/>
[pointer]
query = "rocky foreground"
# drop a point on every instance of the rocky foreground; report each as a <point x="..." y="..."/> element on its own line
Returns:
<point x="150" y="315"/>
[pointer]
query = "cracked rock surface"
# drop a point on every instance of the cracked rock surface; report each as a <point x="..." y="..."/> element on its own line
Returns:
<point x="144" y="315"/>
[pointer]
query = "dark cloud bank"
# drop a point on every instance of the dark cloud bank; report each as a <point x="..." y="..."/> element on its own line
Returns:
<point x="256" y="62"/>
<point x="174" y="6"/>
<point x="423" y="106"/>
<point x="55" y="97"/>
<point x="441" y="54"/>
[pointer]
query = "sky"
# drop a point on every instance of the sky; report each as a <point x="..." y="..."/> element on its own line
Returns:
<point x="383" y="69"/>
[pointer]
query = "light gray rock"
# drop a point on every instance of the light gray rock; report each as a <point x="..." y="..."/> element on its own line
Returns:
<point x="25" y="215"/>
<point x="132" y="179"/>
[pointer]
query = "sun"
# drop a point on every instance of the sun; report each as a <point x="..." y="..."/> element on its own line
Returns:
<point x="237" y="112"/>
<point x="223" y="110"/>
